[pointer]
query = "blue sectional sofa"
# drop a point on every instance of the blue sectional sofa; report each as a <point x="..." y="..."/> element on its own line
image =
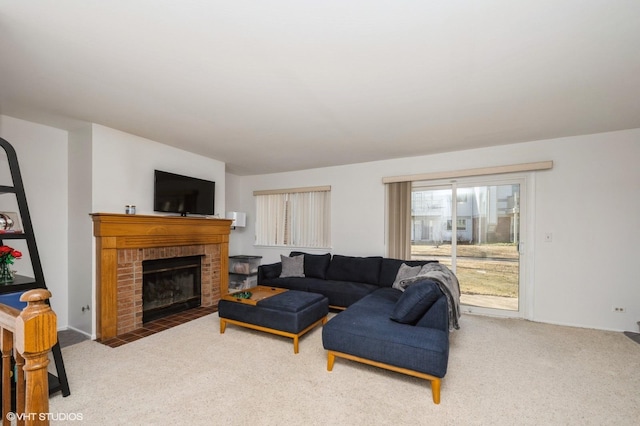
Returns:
<point x="342" y="279"/>
<point x="403" y="331"/>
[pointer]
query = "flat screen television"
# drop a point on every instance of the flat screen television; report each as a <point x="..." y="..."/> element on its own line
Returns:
<point x="173" y="193"/>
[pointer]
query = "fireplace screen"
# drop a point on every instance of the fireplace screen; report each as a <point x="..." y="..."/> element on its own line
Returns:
<point x="170" y="286"/>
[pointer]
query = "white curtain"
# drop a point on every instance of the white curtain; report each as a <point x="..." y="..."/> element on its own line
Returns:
<point x="270" y="219"/>
<point x="300" y="219"/>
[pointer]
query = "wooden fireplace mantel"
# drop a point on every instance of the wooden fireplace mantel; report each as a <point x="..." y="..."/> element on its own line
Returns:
<point x="115" y="232"/>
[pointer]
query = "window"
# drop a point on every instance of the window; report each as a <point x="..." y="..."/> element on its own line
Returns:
<point x="480" y="235"/>
<point x="461" y="225"/>
<point x="299" y="217"/>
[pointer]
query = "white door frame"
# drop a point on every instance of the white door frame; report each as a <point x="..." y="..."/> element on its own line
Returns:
<point x="525" y="281"/>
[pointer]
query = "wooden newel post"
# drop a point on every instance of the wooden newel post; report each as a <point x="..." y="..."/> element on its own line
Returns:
<point x="35" y="335"/>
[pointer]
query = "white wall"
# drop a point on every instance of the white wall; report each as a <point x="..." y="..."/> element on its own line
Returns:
<point x="123" y="166"/>
<point x="67" y="176"/>
<point x="42" y="156"/>
<point x="234" y="202"/>
<point x="590" y="201"/>
<point x="80" y="231"/>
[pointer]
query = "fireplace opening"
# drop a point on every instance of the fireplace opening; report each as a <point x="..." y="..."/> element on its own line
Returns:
<point x="170" y="286"/>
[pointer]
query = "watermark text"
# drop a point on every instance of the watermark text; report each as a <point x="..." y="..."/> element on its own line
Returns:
<point x="21" y="417"/>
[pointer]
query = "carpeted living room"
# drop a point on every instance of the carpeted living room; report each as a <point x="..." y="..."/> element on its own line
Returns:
<point x="498" y="140"/>
<point x="501" y="371"/>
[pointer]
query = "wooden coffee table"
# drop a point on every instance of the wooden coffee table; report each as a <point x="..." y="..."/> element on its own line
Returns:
<point x="257" y="293"/>
<point x="279" y="311"/>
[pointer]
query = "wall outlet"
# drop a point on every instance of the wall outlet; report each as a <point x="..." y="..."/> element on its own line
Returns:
<point x="619" y="310"/>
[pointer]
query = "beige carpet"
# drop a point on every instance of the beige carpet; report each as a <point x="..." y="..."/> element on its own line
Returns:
<point x="501" y="372"/>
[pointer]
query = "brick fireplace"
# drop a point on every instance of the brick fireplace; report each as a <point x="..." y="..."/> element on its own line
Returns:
<point x="123" y="242"/>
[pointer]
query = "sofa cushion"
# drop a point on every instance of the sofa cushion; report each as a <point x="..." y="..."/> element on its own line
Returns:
<point x="315" y="265"/>
<point x="415" y="301"/>
<point x="437" y="316"/>
<point x="340" y="293"/>
<point x="269" y="271"/>
<point x="389" y="269"/>
<point x="405" y="271"/>
<point x="291" y="283"/>
<point x="292" y="266"/>
<point x="354" y="269"/>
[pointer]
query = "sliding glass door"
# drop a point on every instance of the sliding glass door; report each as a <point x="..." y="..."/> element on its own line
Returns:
<point x="475" y="229"/>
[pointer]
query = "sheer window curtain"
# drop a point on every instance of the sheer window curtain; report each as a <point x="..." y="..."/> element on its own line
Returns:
<point x="271" y="219"/>
<point x="300" y="219"/>
<point x="309" y="215"/>
<point x="399" y="220"/>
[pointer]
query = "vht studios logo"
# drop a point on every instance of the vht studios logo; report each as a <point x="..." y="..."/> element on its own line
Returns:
<point x="21" y="417"/>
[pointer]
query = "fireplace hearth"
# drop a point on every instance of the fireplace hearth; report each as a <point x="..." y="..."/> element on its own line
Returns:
<point x="169" y="286"/>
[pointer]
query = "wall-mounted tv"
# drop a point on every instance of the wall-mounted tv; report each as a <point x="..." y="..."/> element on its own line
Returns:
<point x="175" y="193"/>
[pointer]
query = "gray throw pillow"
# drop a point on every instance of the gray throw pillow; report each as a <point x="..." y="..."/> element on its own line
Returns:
<point x="292" y="266"/>
<point x="405" y="271"/>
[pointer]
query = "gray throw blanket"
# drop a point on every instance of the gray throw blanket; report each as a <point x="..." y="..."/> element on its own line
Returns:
<point x="448" y="283"/>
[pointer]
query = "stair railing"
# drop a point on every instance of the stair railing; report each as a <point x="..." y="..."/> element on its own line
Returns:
<point x="28" y="336"/>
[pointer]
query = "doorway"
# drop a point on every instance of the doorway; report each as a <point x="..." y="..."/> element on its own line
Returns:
<point x="475" y="228"/>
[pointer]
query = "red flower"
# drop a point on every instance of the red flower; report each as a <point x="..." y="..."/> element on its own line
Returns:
<point x="7" y="254"/>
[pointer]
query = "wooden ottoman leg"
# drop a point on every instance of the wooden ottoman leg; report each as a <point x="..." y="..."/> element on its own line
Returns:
<point x="295" y="344"/>
<point x="435" y="390"/>
<point x="331" y="358"/>
<point x="223" y="326"/>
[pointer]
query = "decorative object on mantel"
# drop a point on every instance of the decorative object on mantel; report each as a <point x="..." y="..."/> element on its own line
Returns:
<point x="239" y="219"/>
<point x="7" y="255"/>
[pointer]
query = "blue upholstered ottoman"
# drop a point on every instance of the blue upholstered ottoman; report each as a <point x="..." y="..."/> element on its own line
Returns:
<point x="13" y="300"/>
<point x="289" y="313"/>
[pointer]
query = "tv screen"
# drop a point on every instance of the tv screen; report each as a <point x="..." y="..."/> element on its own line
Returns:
<point x="183" y="194"/>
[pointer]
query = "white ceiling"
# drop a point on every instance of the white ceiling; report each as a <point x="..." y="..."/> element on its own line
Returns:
<point x="269" y="86"/>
